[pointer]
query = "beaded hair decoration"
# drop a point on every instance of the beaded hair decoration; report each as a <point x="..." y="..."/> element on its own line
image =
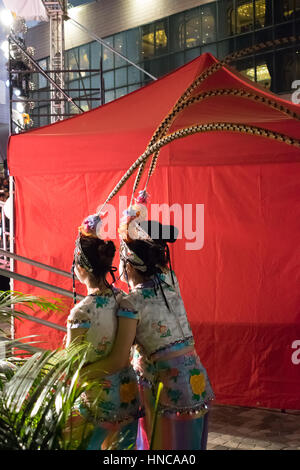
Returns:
<point x="130" y="230"/>
<point x="90" y="227"/>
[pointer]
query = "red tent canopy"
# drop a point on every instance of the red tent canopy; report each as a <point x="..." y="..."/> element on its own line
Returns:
<point x="241" y="284"/>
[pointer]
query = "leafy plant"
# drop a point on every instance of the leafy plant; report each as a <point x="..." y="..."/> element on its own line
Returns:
<point x="10" y="299"/>
<point x="38" y="393"/>
<point x="37" y="401"/>
<point x="155" y="415"/>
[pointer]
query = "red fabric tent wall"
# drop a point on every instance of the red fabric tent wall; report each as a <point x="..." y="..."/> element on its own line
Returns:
<point x="241" y="289"/>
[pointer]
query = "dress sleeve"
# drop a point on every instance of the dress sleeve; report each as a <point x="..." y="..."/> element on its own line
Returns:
<point x="79" y="317"/>
<point x="127" y="307"/>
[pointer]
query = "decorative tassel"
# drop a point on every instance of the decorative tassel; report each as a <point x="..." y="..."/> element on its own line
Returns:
<point x="170" y="265"/>
<point x="73" y="279"/>
<point x="162" y="291"/>
<point x="142" y="197"/>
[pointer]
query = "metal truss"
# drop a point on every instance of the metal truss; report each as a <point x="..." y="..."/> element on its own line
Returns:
<point x="56" y="11"/>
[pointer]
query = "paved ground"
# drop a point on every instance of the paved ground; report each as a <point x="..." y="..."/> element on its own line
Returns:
<point x="240" y="428"/>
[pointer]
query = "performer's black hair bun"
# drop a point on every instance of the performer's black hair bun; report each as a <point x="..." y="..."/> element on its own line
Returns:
<point x="160" y="233"/>
<point x="99" y="253"/>
<point x="107" y="249"/>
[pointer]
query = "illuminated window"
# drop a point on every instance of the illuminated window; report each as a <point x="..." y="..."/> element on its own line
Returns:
<point x="285" y="10"/>
<point x="148" y="46"/>
<point x="262" y="13"/>
<point x="154" y="40"/>
<point x="263" y="75"/>
<point x="161" y="39"/>
<point x="244" y="16"/>
<point x="239" y="16"/>
<point x="107" y="55"/>
<point x="288" y="8"/>
<point x="84" y="59"/>
<point x="246" y="68"/>
<point x="249" y="73"/>
<point x="207" y="16"/>
<point x="73" y="63"/>
<point x="192" y="29"/>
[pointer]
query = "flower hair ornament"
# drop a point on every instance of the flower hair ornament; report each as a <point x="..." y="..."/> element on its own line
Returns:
<point x="126" y="254"/>
<point x="90" y="227"/>
<point x="129" y="228"/>
<point x="134" y="226"/>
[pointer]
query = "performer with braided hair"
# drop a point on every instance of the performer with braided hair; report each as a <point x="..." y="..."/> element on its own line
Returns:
<point x="110" y="410"/>
<point x="164" y="340"/>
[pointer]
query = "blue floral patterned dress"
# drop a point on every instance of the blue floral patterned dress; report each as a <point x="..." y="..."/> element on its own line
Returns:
<point x="113" y="420"/>
<point x="162" y="330"/>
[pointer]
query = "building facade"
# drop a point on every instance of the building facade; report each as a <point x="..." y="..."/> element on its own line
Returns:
<point x="161" y="35"/>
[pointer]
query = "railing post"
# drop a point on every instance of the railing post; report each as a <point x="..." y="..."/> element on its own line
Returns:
<point x="12" y="244"/>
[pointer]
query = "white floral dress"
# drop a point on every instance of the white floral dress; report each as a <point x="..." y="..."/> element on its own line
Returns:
<point x="118" y="398"/>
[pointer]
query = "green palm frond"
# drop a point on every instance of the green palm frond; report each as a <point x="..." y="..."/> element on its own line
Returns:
<point x="38" y="393"/>
<point x="9" y="299"/>
<point x="159" y="390"/>
<point x="39" y="398"/>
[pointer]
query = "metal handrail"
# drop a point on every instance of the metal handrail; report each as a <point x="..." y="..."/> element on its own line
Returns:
<point x="50" y="324"/>
<point x="35" y="282"/>
<point x="49" y="287"/>
<point x="35" y="263"/>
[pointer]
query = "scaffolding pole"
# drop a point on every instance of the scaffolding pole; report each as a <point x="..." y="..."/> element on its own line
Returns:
<point x="101" y="41"/>
<point x="37" y="66"/>
<point x="56" y="11"/>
